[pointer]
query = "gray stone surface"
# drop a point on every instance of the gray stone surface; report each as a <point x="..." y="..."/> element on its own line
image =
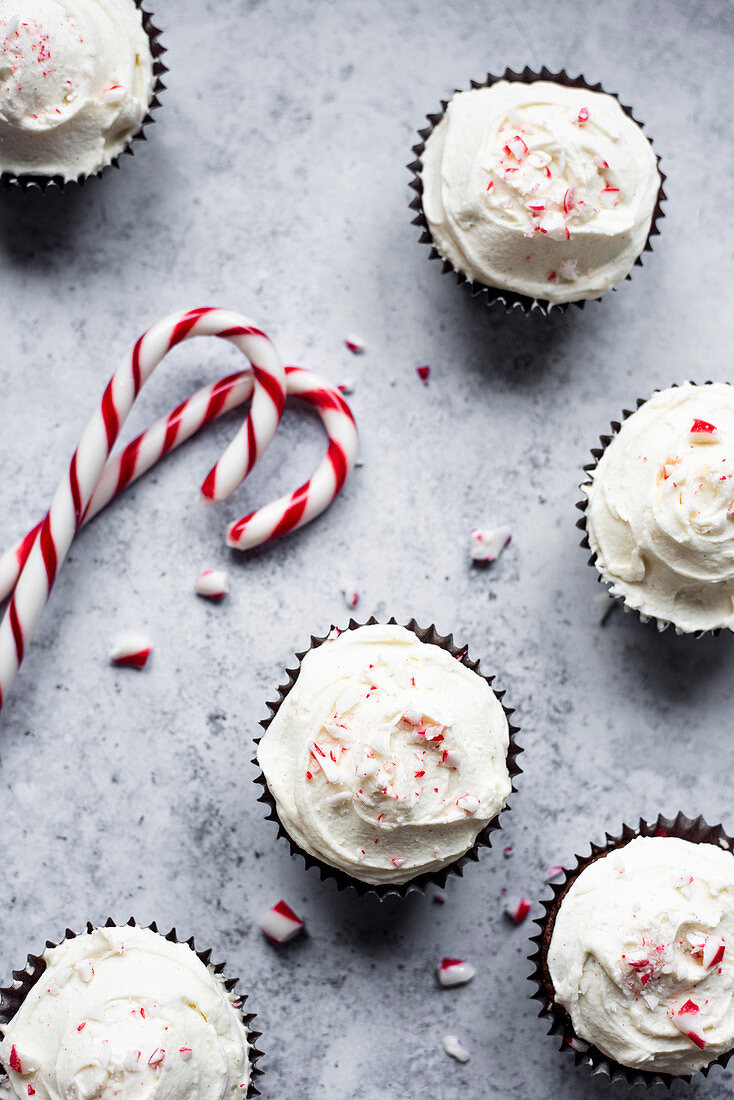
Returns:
<point x="274" y="183"/>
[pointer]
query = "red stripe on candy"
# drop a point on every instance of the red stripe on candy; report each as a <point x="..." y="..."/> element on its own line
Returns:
<point x="274" y="390"/>
<point x="17" y="630"/>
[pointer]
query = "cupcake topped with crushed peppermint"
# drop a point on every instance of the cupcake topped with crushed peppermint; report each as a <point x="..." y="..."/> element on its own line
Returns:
<point x="660" y="511"/>
<point x="124" y="1013"/>
<point x="388" y="756"/>
<point x="642" y="954"/>
<point x="538" y="188"/>
<point x="76" y="82"/>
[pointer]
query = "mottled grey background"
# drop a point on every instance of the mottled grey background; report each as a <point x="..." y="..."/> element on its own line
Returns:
<point x="274" y="183"/>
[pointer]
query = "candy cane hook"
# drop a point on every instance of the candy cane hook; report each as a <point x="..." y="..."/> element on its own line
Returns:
<point x="29" y="569"/>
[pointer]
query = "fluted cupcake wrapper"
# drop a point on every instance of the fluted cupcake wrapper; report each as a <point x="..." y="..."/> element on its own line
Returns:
<point x="491" y="295"/>
<point x="420" y="883"/>
<point x="582" y="524"/>
<point x="586" y="1054"/>
<point x="29" y="182"/>
<point x="12" y="996"/>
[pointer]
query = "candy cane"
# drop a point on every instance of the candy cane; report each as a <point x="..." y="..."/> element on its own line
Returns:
<point x="29" y="569"/>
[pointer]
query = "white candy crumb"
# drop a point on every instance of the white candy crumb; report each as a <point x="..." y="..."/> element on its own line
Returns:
<point x="455" y="1048"/>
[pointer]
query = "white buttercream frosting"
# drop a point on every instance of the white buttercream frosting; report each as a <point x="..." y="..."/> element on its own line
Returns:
<point x="660" y="514"/>
<point x="538" y="188"/>
<point x="642" y="954"/>
<point x="76" y="81"/>
<point x="125" y="1013"/>
<point x="388" y="756"/>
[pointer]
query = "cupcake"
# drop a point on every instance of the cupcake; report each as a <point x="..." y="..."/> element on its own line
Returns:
<point x="542" y="189"/>
<point x="388" y="758"/>
<point x="636" y="953"/>
<point x="125" y="1012"/>
<point x="659" y="514"/>
<point x="77" y="80"/>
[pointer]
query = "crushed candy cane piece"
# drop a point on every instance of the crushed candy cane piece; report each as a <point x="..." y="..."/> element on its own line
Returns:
<point x="569" y="270"/>
<point x="577" y="1044"/>
<point x="280" y="924"/>
<point x="554" y="872"/>
<point x="412" y="716"/>
<point x="185" y="1053"/>
<point x="130" y="1061"/>
<point x="157" y="1057"/>
<point x="455" y="1048"/>
<point x="398" y="861"/>
<point x="518" y="910"/>
<point x="354" y="343"/>
<point x="346" y="387"/>
<point x="507" y="851"/>
<point x="351" y="595"/>
<point x="131" y="651"/>
<point x="686" y="1019"/>
<point x="212" y="584"/>
<point x="583" y="116"/>
<point x="114" y="94"/>
<point x="486" y="544"/>
<point x="702" y="432"/>
<point x="455" y="972"/>
<point x="468" y="803"/>
<point x="85" y="970"/>
<point x="713" y="951"/>
<point x="423" y="373"/>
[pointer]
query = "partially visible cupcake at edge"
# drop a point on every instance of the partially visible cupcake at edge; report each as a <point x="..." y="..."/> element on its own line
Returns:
<point x="125" y="1012"/>
<point x="388" y="757"/>
<point x="641" y="954"/>
<point x="541" y="189"/>
<point x="660" y="508"/>
<point x="76" y="82"/>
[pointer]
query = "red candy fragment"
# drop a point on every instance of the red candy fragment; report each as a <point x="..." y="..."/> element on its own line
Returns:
<point x="423" y="373"/>
<point x="518" y="910"/>
<point x="280" y="923"/>
<point x="15" y="1063"/>
<point x="702" y="426"/>
<point x="455" y="972"/>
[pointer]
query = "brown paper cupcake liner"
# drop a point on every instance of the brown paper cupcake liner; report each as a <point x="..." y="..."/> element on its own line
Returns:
<point x="586" y="1054"/>
<point x="29" y="182"/>
<point x="12" y="996"/>
<point x="583" y="504"/>
<point x="420" y="883"/>
<point x="491" y="295"/>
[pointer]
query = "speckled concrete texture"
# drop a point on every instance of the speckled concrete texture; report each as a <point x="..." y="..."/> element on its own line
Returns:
<point x="274" y="182"/>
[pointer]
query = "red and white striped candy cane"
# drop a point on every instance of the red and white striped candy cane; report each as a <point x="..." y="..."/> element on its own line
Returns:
<point x="28" y="570"/>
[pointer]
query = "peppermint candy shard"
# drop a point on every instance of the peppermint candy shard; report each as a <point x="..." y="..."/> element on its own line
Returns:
<point x="455" y="972"/>
<point x="280" y="924"/>
<point x="487" y="543"/>
<point x="354" y="343"/>
<point x="131" y="651"/>
<point x="702" y="432"/>
<point x="686" y="1020"/>
<point x="455" y="1048"/>
<point x="423" y="373"/>
<point x="212" y="584"/>
<point x="517" y="911"/>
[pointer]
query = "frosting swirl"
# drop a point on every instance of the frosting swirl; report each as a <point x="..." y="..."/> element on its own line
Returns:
<point x="124" y="1012"/>
<point x="642" y="954"/>
<point x="76" y="81"/>
<point x="540" y="189"/>
<point x="660" y="515"/>
<point x="388" y="756"/>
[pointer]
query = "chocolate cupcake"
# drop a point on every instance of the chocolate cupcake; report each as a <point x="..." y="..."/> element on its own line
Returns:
<point x="388" y="757"/>
<point x="538" y="190"/>
<point x="126" y="1012"/>
<point x="635" y="955"/>
<point x="659" y="508"/>
<point x="79" y="80"/>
